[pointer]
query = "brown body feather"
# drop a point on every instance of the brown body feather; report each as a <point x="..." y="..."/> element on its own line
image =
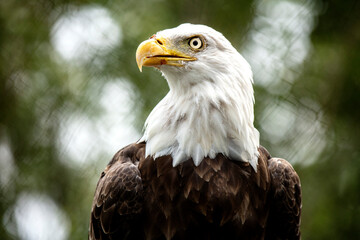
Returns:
<point x="139" y="198"/>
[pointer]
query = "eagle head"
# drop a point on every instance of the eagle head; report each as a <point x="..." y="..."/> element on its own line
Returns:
<point x="209" y="108"/>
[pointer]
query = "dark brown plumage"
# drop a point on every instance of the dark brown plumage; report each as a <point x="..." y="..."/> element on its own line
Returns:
<point x="139" y="198"/>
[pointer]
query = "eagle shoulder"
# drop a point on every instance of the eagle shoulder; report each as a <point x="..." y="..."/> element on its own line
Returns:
<point x="118" y="199"/>
<point x="285" y="203"/>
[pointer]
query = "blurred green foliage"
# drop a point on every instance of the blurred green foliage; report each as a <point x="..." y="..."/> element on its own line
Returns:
<point x="40" y="92"/>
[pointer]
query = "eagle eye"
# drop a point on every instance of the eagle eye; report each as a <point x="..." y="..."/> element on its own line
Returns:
<point x="195" y="43"/>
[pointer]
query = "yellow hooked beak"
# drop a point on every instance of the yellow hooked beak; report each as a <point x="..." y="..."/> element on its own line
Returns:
<point x="154" y="52"/>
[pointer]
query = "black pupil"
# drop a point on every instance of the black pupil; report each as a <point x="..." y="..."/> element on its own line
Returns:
<point x="195" y="43"/>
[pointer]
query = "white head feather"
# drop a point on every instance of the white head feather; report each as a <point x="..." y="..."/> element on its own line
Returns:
<point x="209" y="108"/>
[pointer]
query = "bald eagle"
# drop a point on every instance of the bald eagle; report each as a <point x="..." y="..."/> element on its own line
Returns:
<point x="199" y="171"/>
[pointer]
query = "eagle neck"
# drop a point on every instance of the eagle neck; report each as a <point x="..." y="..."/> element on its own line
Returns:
<point x="201" y="119"/>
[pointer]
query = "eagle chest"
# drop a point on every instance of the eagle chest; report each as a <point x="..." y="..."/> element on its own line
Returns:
<point x="217" y="194"/>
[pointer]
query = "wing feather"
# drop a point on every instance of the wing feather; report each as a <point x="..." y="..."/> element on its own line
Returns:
<point x="118" y="197"/>
<point x="285" y="205"/>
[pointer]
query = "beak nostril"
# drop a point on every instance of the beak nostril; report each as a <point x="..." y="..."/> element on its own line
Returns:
<point x="159" y="42"/>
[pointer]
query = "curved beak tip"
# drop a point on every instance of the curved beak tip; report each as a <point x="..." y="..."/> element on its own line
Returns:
<point x="139" y="64"/>
<point x="142" y="52"/>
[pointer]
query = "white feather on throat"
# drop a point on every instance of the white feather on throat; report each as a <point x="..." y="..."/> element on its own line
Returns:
<point x="209" y="108"/>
